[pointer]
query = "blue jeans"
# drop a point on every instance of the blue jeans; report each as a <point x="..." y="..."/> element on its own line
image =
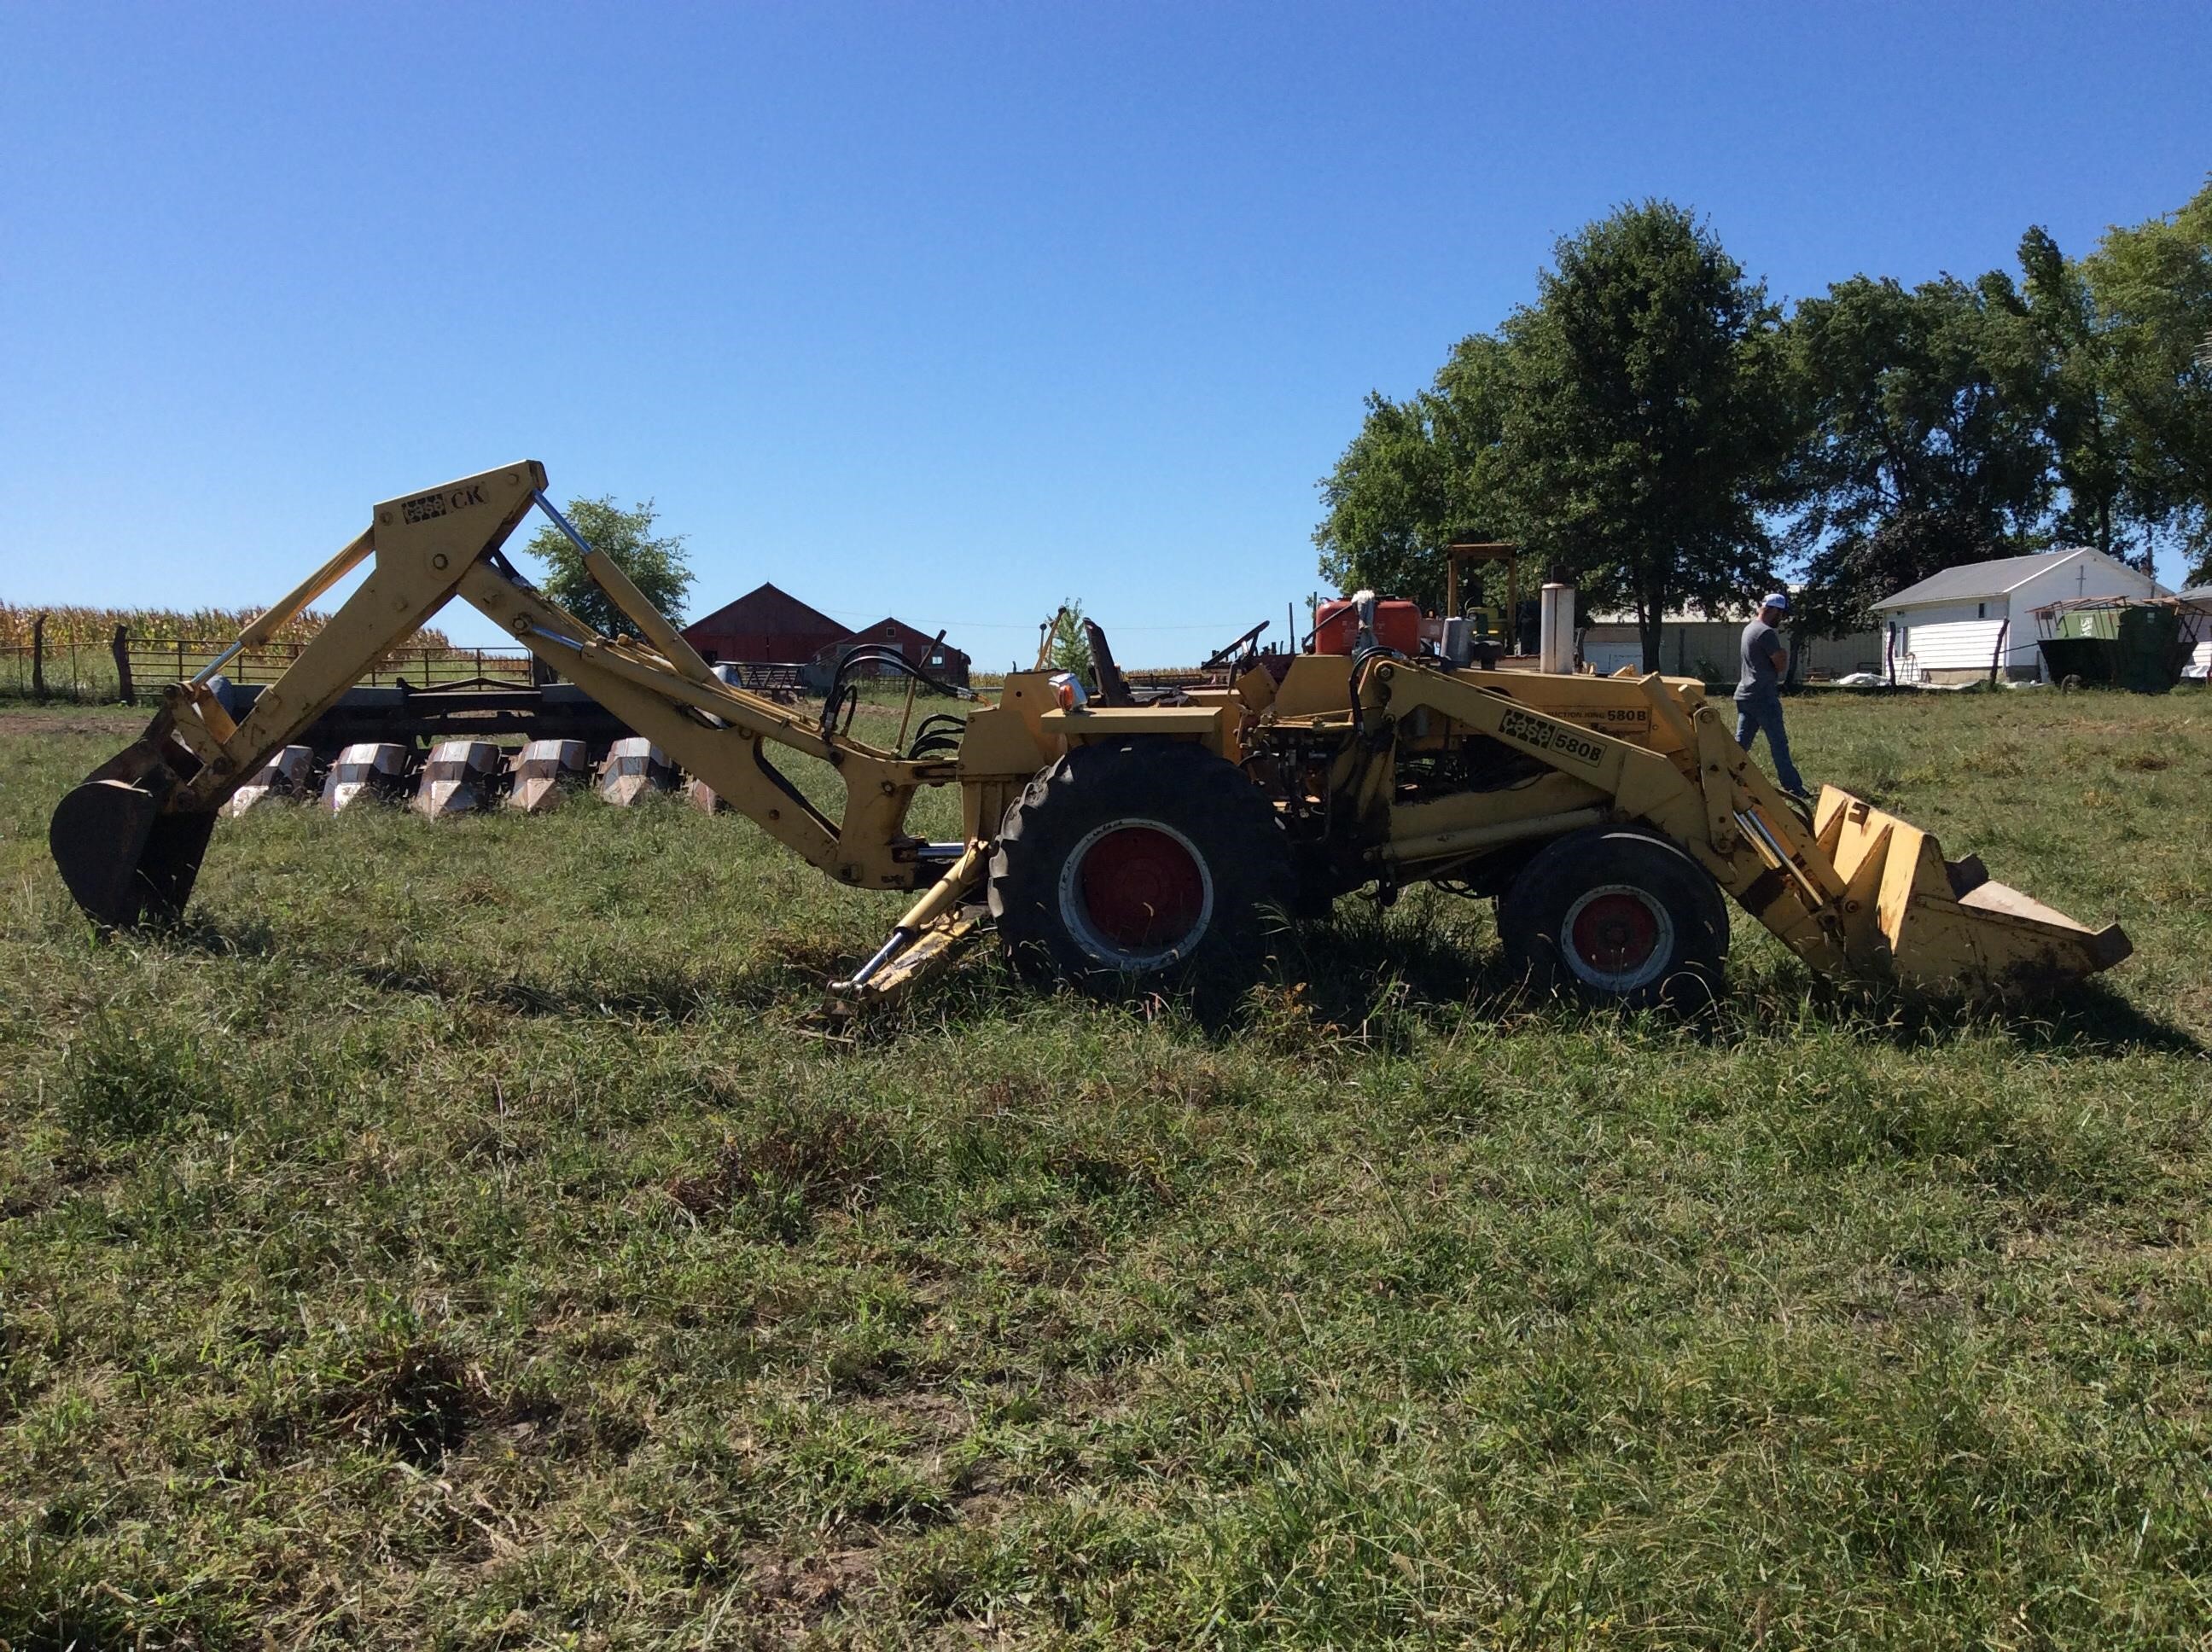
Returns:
<point x="1764" y="714"/>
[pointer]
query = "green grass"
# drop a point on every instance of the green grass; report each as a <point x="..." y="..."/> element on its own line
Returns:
<point x="458" y="1235"/>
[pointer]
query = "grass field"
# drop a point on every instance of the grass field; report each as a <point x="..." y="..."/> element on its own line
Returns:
<point x="458" y="1235"/>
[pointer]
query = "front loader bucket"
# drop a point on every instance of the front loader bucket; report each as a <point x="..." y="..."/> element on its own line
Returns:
<point x="124" y="861"/>
<point x="1942" y="926"/>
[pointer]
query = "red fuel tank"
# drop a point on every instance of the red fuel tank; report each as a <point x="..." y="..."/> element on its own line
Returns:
<point x="1397" y="625"/>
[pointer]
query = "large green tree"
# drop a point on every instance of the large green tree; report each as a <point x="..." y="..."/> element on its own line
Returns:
<point x="1651" y="421"/>
<point x="2152" y="286"/>
<point x="1390" y="503"/>
<point x="1067" y="644"/>
<point x="1422" y="474"/>
<point x="1914" y="456"/>
<point x="2057" y="363"/>
<point x="656" y="564"/>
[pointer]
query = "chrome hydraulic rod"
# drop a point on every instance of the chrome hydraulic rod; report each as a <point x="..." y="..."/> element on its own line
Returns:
<point x="680" y="655"/>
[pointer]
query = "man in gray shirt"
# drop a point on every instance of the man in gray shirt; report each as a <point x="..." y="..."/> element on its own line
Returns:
<point x="1759" y="690"/>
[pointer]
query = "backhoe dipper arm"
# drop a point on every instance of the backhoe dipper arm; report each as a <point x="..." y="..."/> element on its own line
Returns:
<point x="129" y="839"/>
<point x="720" y="733"/>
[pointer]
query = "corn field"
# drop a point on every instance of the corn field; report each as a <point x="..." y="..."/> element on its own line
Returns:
<point x="77" y="658"/>
<point x="160" y="626"/>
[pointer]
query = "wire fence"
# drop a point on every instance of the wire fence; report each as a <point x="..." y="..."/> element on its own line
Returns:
<point x="71" y="669"/>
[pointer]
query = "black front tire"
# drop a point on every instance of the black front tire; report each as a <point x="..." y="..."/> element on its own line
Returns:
<point x="1616" y="915"/>
<point x="1203" y="865"/>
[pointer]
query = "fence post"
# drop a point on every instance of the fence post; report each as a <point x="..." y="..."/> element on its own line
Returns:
<point x="122" y="647"/>
<point x="180" y="659"/>
<point x="39" y="657"/>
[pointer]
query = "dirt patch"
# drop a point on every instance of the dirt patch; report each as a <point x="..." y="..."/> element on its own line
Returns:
<point x="932" y="1415"/>
<point x="795" y="1594"/>
<point x="788" y="1171"/>
<point x="63" y="722"/>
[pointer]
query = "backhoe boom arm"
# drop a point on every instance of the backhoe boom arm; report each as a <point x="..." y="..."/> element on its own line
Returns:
<point x="129" y="841"/>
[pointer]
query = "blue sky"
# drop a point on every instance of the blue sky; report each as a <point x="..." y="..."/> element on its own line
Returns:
<point x="948" y="311"/>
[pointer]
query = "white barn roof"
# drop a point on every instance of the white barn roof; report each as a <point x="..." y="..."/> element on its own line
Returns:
<point x="1968" y="581"/>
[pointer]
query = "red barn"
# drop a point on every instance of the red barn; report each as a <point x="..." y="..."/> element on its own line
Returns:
<point x="944" y="662"/>
<point x="765" y="625"/>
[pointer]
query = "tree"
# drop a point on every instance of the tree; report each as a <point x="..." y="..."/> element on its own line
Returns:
<point x="656" y="566"/>
<point x="2059" y="361"/>
<point x="1420" y="474"/>
<point x="1650" y="421"/>
<point x="2152" y="286"/>
<point x="1067" y="646"/>
<point x="1389" y="500"/>
<point x="1914" y="458"/>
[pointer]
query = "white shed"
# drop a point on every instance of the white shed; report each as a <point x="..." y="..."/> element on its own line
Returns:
<point x="1710" y="646"/>
<point x="1955" y="626"/>
<point x="2199" y="597"/>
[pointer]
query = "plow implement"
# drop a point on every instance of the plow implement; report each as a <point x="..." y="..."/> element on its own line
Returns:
<point x="1112" y="843"/>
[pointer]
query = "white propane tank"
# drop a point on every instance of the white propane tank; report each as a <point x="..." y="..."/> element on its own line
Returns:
<point x="1555" y="645"/>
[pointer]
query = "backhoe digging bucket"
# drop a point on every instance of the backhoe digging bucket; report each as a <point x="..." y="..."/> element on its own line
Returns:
<point x="124" y="861"/>
<point x="1942" y="926"/>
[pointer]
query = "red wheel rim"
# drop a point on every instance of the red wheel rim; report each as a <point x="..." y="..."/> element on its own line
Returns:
<point x="1142" y="891"/>
<point x="1615" y="933"/>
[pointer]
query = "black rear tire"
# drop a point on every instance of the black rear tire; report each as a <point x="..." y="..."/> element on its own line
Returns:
<point x="1616" y="915"/>
<point x="1146" y="863"/>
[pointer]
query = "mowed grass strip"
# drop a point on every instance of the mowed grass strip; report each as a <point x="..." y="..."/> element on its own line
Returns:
<point x="458" y="1233"/>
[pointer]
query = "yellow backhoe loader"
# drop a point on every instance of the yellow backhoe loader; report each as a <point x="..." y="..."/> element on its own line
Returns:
<point x="1112" y="842"/>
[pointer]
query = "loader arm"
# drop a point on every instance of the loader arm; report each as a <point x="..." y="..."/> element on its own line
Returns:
<point x="1854" y="892"/>
<point x="129" y="840"/>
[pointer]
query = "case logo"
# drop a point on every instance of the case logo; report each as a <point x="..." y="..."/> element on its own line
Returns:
<point x="422" y="509"/>
<point x="1541" y="734"/>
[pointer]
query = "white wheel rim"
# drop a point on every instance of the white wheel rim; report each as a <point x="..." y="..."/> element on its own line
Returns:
<point x="1604" y="906"/>
<point x="1075" y="911"/>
